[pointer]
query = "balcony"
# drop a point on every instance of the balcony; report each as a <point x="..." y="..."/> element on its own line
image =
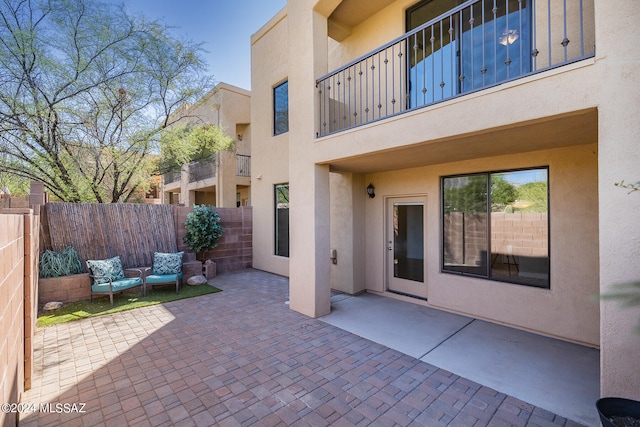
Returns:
<point x="202" y="169"/>
<point x="171" y="176"/>
<point x="243" y="165"/>
<point x="474" y="46"/>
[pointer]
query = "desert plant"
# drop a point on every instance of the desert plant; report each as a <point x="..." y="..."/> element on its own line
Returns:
<point x="56" y="264"/>
<point x="204" y="228"/>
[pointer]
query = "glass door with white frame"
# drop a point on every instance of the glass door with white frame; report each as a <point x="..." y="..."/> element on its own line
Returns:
<point x="406" y="246"/>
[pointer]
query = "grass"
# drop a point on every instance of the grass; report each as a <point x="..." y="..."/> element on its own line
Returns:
<point x="127" y="300"/>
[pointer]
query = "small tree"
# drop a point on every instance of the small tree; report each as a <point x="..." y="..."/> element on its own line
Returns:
<point x="203" y="230"/>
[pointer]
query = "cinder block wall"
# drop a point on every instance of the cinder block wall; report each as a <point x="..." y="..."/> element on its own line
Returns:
<point x="12" y="294"/>
<point x="65" y="289"/>
<point x="14" y="202"/>
<point x="31" y="274"/>
<point x="234" y="251"/>
<point x="525" y="233"/>
<point x="19" y="252"/>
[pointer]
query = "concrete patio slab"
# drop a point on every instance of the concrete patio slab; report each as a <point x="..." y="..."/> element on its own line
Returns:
<point x="559" y="376"/>
<point x="556" y="375"/>
<point x="241" y="357"/>
<point x="408" y="328"/>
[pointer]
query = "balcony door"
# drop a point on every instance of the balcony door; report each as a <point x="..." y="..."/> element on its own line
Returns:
<point x="406" y="246"/>
<point x="464" y="49"/>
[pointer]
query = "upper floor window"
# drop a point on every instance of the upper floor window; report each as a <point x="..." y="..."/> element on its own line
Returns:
<point x="496" y="226"/>
<point x="281" y="108"/>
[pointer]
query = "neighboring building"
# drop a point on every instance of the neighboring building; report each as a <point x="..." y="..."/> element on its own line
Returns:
<point x="224" y="179"/>
<point x="152" y="195"/>
<point x="492" y="134"/>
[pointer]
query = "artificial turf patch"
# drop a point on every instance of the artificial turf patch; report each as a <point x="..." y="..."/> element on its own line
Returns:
<point x="127" y="300"/>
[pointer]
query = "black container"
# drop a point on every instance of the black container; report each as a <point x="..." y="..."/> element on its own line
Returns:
<point x="617" y="407"/>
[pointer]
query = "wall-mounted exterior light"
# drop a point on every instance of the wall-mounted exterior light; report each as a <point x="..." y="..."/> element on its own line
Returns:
<point x="370" y="191"/>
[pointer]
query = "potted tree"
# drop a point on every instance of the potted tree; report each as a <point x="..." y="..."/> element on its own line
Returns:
<point x="204" y="229"/>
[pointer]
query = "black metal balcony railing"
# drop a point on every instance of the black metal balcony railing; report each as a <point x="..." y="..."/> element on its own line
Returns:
<point x="171" y="176"/>
<point x="243" y="165"/>
<point x="479" y="44"/>
<point x="202" y="169"/>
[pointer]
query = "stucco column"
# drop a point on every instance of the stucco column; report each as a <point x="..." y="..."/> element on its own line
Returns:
<point x="618" y="159"/>
<point x="226" y="186"/>
<point x="309" y="264"/>
<point x="309" y="268"/>
<point x="186" y="198"/>
<point x="348" y="191"/>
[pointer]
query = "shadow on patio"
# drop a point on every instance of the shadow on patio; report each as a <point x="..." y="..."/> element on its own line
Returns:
<point x="241" y="357"/>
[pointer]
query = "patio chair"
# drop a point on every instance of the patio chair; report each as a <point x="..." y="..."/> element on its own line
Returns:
<point x="166" y="270"/>
<point x="108" y="277"/>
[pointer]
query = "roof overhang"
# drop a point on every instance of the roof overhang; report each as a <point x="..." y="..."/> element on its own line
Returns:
<point x="350" y="13"/>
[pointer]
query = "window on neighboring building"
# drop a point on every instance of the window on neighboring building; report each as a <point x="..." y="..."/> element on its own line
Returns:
<point x="496" y="226"/>
<point x="281" y="108"/>
<point x="281" y="202"/>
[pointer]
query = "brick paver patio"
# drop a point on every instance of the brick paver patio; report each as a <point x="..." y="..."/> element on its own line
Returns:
<point x="240" y="358"/>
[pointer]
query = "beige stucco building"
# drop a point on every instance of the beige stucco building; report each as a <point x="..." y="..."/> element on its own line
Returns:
<point x="224" y="179"/>
<point x="491" y="140"/>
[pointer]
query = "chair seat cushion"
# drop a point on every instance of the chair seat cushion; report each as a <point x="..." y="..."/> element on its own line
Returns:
<point x="153" y="279"/>
<point x="118" y="285"/>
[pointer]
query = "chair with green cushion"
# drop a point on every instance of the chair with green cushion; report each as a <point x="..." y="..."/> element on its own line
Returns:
<point x="167" y="269"/>
<point x="108" y="277"/>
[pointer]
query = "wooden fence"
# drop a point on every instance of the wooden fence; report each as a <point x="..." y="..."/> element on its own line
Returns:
<point x="99" y="231"/>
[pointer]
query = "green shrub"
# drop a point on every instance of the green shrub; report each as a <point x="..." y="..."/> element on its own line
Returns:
<point x="203" y="230"/>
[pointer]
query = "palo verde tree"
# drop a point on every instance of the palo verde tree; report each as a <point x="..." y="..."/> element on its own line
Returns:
<point x="85" y="91"/>
<point x="13" y="184"/>
<point x="186" y="142"/>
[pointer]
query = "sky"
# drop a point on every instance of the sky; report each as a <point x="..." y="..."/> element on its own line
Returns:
<point x="223" y="26"/>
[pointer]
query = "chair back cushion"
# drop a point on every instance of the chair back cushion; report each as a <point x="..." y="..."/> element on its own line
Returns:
<point x="164" y="263"/>
<point x="108" y="268"/>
